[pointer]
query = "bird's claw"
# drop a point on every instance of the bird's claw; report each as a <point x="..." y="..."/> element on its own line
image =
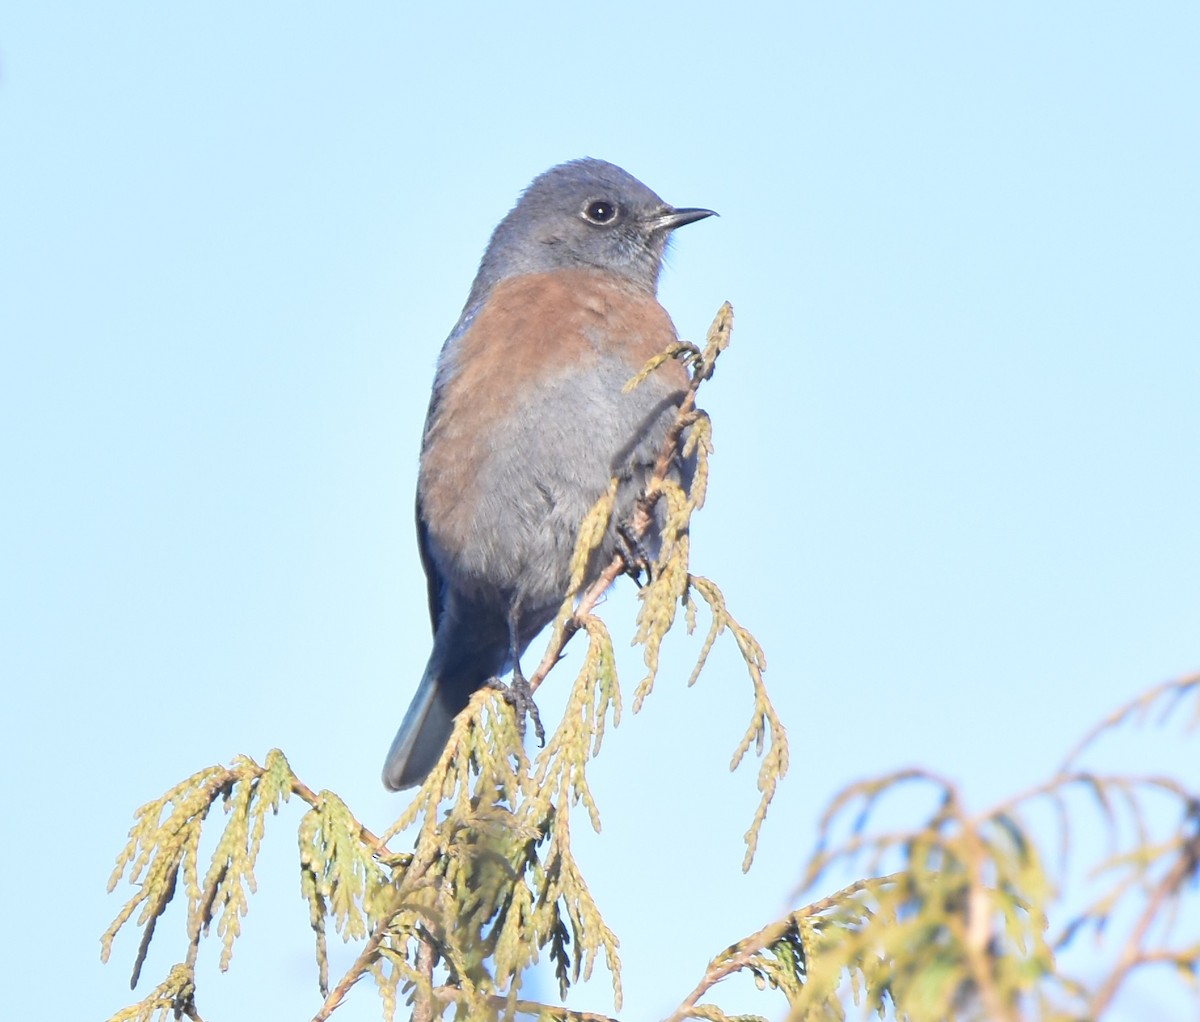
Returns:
<point x="637" y="557"/>
<point x="519" y="696"/>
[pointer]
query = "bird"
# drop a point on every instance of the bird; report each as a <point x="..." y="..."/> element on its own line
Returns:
<point x="528" y="422"/>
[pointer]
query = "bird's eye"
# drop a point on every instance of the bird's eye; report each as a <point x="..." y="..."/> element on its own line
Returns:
<point x="600" y="211"/>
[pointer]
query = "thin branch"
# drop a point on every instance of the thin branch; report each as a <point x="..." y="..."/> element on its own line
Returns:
<point x="1141" y="704"/>
<point x="1164" y="785"/>
<point x="306" y="794"/>
<point x="423" y="1006"/>
<point x="976" y="935"/>
<point x="587" y="603"/>
<point x="1132" y="953"/>
<point x="738" y="956"/>
<point x="637" y="528"/>
<point x="552" y="1011"/>
<point x="356" y="972"/>
<point x="559" y="1014"/>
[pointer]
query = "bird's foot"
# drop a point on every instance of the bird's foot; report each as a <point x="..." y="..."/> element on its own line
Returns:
<point x="519" y="696"/>
<point x="637" y="557"/>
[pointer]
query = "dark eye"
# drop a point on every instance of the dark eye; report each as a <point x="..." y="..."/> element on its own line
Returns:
<point x="600" y="211"/>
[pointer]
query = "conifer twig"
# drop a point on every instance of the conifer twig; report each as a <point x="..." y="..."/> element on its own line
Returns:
<point x="356" y="972"/>
<point x="703" y="364"/>
<point x="422" y="1005"/>
<point x="1133" y="953"/>
<point x="740" y="955"/>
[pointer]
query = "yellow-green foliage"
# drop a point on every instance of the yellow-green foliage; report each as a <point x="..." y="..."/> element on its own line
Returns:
<point x="164" y="843"/>
<point x="953" y="920"/>
<point x="173" y="997"/>
<point x="491" y="882"/>
<point x="961" y="929"/>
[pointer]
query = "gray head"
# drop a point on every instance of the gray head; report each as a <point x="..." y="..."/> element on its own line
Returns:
<point x="579" y="215"/>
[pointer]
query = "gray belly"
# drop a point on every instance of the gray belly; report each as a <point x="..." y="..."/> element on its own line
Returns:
<point x="544" y="469"/>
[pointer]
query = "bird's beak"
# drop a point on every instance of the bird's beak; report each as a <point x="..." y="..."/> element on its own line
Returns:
<point x="671" y="218"/>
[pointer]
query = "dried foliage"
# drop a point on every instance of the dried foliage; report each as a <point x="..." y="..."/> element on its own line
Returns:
<point x="491" y="882"/>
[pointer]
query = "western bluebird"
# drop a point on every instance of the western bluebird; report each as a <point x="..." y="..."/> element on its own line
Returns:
<point x="528" y="423"/>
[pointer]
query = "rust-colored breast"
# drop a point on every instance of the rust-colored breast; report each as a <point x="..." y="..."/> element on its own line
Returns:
<point x="537" y="334"/>
<point x="536" y="325"/>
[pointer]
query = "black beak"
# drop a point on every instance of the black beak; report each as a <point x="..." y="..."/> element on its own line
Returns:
<point x="670" y="218"/>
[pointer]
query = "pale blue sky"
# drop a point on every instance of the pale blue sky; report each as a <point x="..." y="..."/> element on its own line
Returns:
<point x="955" y="492"/>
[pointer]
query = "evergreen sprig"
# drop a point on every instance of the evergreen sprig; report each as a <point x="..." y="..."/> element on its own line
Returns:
<point x="957" y="928"/>
<point x="491" y="881"/>
<point x="961" y="930"/>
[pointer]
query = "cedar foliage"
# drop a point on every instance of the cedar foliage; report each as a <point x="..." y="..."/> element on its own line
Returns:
<point x="952" y="920"/>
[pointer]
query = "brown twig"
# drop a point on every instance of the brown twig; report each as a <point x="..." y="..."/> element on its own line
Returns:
<point x="975" y="932"/>
<point x="370" y="952"/>
<point x="642" y="518"/>
<point x="616" y="567"/>
<point x="1141" y="704"/>
<point x="552" y="1011"/>
<point x="1132" y="954"/>
<point x="738" y="956"/>
<point x="309" y="796"/>
<point x="423" y="1006"/>
<point x="1162" y="784"/>
<point x="356" y="971"/>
